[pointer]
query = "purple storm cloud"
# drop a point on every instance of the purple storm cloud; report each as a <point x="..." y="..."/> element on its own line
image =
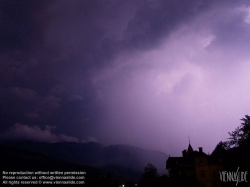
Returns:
<point x="144" y="73"/>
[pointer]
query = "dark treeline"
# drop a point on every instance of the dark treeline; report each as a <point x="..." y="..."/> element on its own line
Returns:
<point x="236" y="151"/>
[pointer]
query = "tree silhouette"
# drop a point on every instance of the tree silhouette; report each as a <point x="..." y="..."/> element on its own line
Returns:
<point x="220" y="149"/>
<point x="149" y="177"/>
<point x="241" y="135"/>
<point x="235" y="153"/>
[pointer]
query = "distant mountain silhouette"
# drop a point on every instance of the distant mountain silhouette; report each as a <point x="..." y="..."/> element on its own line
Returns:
<point x="122" y="160"/>
<point x="13" y="159"/>
<point x="134" y="157"/>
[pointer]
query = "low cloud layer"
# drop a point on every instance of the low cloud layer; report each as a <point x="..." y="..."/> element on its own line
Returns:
<point x="34" y="133"/>
<point x="19" y="132"/>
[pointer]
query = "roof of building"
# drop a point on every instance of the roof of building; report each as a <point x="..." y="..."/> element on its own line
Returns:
<point x="190" y="149"/>
<point x="187" y="159"/>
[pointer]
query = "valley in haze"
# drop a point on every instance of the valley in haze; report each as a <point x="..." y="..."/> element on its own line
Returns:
<point x="124" y="160"/>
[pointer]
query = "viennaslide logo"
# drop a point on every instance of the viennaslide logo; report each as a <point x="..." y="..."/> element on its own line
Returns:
<point x="233" y="176"/>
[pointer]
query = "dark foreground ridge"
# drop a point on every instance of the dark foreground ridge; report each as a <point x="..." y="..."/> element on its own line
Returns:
<point x="17" y="160"/>
<point x="123" y="160"/>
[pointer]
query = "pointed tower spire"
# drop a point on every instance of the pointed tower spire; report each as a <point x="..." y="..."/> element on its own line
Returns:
<point x="190" y="149"/>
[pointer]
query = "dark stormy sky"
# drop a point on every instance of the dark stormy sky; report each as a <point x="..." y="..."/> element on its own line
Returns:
<point x="144" y="73"/>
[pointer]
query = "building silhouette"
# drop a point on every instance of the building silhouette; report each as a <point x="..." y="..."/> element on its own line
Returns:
<point x="194" y="168"/>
